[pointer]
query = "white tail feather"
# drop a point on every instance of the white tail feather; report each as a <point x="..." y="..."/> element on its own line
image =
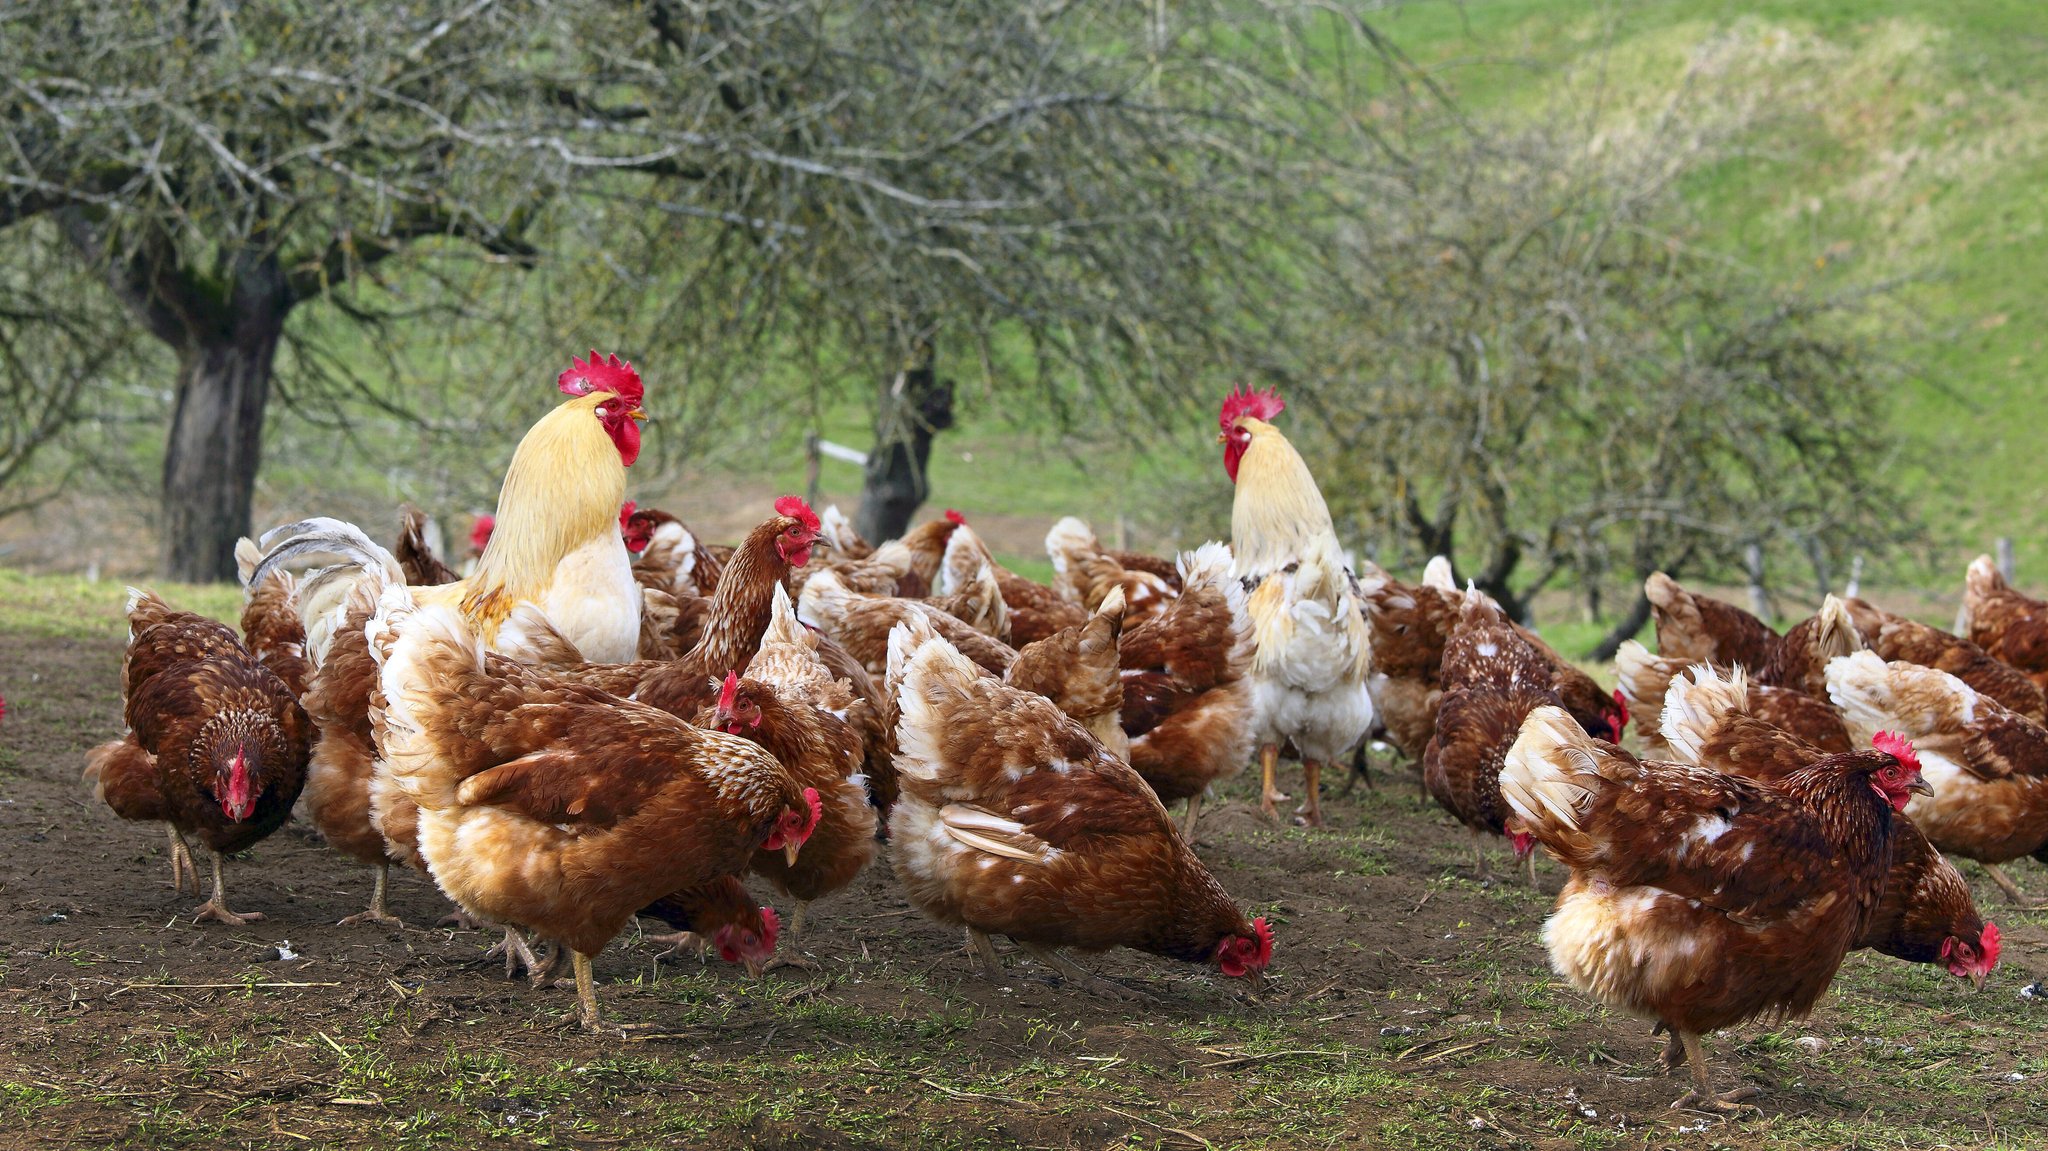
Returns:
<point x="1698" y="702"/>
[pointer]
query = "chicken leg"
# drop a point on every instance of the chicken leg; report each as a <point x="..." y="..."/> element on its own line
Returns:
<point x="181" y="862"/>
<point x="1269" y="759"/>
<point x="1702" y="1097"/>
<point x="1187" y="830"/>
<point x="1310" y="813"/>
<point x="787" y="955"/>
<point x="1361" y="768"/>
<point x="376" y="912"/>
<point x="983" y="954"/>
<point x="216" y="908"/>
<point x="2012" y="890"/>
<point x="1481" y="870"/>
<point x="586" y="994"/>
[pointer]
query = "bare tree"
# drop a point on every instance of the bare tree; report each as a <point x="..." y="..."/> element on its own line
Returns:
<point x="216" y="165"/>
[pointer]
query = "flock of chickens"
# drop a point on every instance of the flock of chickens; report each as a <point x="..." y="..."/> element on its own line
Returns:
<point x="608" y="718"/>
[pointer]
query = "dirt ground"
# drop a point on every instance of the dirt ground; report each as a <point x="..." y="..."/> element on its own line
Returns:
<point x="1410" y="1007"/>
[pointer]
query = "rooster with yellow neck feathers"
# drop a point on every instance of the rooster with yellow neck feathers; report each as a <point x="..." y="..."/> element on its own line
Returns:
<point x="556" y="546"/>
<point x="1308" y="626"/>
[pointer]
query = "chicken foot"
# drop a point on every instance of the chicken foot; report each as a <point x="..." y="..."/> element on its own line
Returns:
<point x="181" y="862"/>
<point x="1702" y="1097"/>
<point x="1270" y="795"/>
<point x="1080" y="976"/>
<point x="519" y="955"/>
<point x="680" y="943"/>
<point x="2012" y="890"/>
<point x="216" y="908"/>
<point x="376" y="912"/>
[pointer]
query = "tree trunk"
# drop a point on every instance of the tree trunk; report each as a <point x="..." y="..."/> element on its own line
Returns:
<point x="1638" y="615"/>
<point x="216" y="439"/>
<point x="910" y="410"/>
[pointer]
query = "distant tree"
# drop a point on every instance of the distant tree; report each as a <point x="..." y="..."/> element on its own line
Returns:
<point x="212" y="166"/>
<point x="1536" y="367"/>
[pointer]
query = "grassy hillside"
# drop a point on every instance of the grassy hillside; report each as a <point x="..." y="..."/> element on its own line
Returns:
<point x="1914" y="152"/>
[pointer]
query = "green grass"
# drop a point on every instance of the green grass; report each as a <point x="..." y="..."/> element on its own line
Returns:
<point x="69" y="607"/>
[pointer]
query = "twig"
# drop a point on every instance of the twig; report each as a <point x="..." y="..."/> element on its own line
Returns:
<point x="208" y="986"/>
<point x="1243" y="1059"/>
<point x="944" y="1090"/>
<point x="1188" y="1135"/>
<point x="1446" y="1053"/>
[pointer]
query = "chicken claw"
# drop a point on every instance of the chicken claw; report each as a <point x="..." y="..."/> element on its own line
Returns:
<point x="1733" y="1102"/>
<point x="519" y="956"/>
<point x="1081" y="977"/>
<point x="212" y="912"/>
<point x="1674" y="1054"/>
<point x="215" y="910"/>
<point x="680" y="944"/>
<point x="375" y="913"/>
<point x="1702" y="1096"/>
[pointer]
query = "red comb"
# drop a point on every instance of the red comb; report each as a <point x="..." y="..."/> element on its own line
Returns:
<point x="626" y="513"/>
<point x="817" y="813"/>
<point x="1621" y="702"/>
<point x="1989" y="946"/>
<point x="729" y="694"/>
<point x="771" y="926"/>
<point x="955" y="518"/>
<point x="480" y="531"/>
<point x="602" y="374"/>
<point x="1243" y="401"/>
<point x="795" y="508"/>
<point x="1265" y="935"/>
<point x="1898" y="747"/>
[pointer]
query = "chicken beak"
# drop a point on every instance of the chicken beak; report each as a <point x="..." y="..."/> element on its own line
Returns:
<point x="1977" y="981"/>
<point x="1920" y="786"/>
<point x="1222" y="437"/>
<point x="754" y="967"/>
<point x="637" y="414"/>
<point x="789" y="851"/>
